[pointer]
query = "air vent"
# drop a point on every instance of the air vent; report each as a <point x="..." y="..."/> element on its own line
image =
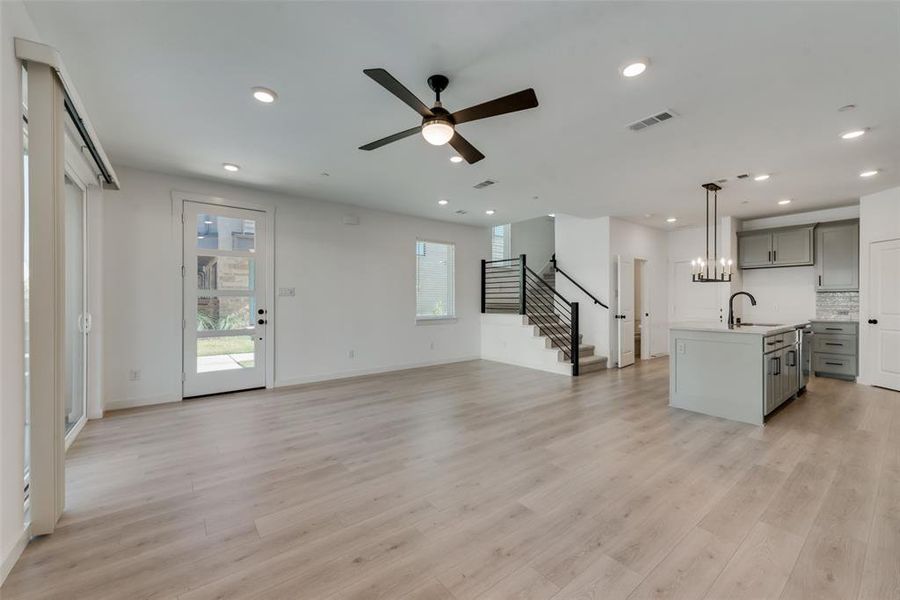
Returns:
<point x="651" y="120"/>
<point x="721" y="181"/>
<point x="462" y="212"/>
<point x="743" y="176"/>
<point x="484" y="184"/>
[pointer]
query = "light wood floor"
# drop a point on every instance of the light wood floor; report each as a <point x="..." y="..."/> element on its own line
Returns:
<point x="479" y="480"/>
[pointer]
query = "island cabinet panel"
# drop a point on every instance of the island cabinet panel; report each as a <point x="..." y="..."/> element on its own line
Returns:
<point x="837" y="257"/>
<point x="754" y="250"/>
<point x="717" y="374"/>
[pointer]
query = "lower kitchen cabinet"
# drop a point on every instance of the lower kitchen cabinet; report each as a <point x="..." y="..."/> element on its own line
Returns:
<point x="835" y="349"/>
<point x="782" y="369"/>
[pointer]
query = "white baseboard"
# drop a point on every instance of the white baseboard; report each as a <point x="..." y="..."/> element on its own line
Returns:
<point x="9" y="561"/>
<point x="136" y="402"/>
<point x="359" y="373"/>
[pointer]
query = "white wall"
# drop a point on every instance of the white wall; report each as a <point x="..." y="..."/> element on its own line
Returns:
<point x="638" y="241"/>
<point x="355" y="289"/>
<point x="535" y="239"/>
<point x="879" y="220"/>
<point x="582" y="251"/>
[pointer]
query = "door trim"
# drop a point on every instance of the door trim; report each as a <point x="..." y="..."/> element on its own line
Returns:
<point x="178" y="200"/>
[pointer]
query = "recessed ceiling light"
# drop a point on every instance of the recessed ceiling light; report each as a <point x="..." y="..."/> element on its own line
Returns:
<point x="551" y="215"/>
<point x="761" y="177"/>
<point x="871" y="173"/>
<point x="443" y="202"/>
<point x="671" y="220"/>
<point x="456" y="159"/>
<point x="231" y="167"/>
<point x="785" y="201"/>
<point x="264" y="95"/>
<point x="635" y="67"/>
<point x="489" y="212"/>
<point x="850" y="135"/>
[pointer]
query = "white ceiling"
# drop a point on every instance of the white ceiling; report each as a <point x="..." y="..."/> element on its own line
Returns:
<point x="756" y="86"/>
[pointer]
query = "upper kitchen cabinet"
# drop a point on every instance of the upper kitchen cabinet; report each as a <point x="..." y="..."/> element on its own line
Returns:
<point x="837" y="256"/>
<point x="754" y="249"/>
<point x="783" y="247"/>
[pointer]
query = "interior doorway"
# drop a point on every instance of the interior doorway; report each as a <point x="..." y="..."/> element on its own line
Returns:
<point x="225" y="310"/>
<point x="641" y="311"/>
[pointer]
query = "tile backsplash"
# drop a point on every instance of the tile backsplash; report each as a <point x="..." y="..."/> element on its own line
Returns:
<point x="837" y="305"/>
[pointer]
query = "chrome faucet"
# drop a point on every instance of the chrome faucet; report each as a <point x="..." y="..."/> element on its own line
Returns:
<point x="731" y="306"/>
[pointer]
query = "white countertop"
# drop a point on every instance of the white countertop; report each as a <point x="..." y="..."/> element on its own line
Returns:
<point x="743" y="329"/>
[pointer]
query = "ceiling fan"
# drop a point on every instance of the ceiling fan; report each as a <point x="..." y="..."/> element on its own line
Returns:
<point x="438" y="124"/>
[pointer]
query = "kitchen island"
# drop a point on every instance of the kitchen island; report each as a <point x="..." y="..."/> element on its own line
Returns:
<point x="741" y="373"/>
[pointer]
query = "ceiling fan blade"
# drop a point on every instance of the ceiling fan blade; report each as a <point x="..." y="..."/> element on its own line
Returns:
<point x="507" y="104"/>
<point x="465" y="149"/>
<point x="388" y="82"/>
<point x="391" y="138"/>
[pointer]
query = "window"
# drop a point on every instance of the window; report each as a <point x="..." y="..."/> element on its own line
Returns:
<point x="500" y="242"/>
<point x="435" y="273"/>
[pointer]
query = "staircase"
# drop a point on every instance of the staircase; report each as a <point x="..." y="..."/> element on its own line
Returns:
<point x="588" y="362"/>
<point x="510" y="287"/>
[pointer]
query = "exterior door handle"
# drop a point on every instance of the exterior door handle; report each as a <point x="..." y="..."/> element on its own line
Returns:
<point x="873" y="321"/>
<point x="261" y="322"/>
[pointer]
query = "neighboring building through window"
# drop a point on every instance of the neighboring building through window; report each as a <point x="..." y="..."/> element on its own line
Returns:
<point x="500" y="242"/>
<point x="435" y="280"/>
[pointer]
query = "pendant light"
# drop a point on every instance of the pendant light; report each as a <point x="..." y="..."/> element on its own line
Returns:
<point x="712" y="268"/>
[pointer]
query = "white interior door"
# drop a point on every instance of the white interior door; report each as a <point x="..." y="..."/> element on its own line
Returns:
<point x="885" y="312"/>
<point x="225" y="313"/>
<point x="625" y="310"/>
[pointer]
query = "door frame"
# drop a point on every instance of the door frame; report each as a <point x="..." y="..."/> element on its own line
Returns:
<point x="178" y="200"/>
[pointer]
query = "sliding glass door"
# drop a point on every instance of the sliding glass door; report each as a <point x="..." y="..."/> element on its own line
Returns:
<point x="76" y="317"/>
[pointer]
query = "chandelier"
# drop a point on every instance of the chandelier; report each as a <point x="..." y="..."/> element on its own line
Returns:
<point x="712" y="268"/>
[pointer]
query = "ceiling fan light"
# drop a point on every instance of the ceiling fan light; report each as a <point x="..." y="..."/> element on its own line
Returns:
<point x="437" y="132"/>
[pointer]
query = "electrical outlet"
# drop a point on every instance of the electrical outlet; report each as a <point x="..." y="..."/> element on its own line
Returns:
<point x="287" y="291"/>
<point x="352" y="353"/>
<point x="134" y="375"/>
<point x="679" y="347"/>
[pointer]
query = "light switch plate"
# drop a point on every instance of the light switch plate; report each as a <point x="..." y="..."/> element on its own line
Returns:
<point x="287" y="291"/>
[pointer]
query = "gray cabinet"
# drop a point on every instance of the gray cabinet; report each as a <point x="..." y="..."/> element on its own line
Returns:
<point x="784" y="247"/>
<point x="792" y="247"/>
<point x="837" y="256"/>
<point x="781" y="364"/>
<point x="754" y="250"/>
<point x="835" y="347"/>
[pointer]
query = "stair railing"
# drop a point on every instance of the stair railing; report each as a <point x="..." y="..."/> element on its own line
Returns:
<point x="575" y="283"/>
<point x="510" y="286"/>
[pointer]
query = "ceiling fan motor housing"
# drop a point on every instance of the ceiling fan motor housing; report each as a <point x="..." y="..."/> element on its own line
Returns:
<point x="438" y="83"/>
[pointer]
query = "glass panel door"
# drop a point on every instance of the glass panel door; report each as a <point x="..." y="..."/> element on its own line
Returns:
<point x="76" y="301"/>
<point x="224" y="313"/>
